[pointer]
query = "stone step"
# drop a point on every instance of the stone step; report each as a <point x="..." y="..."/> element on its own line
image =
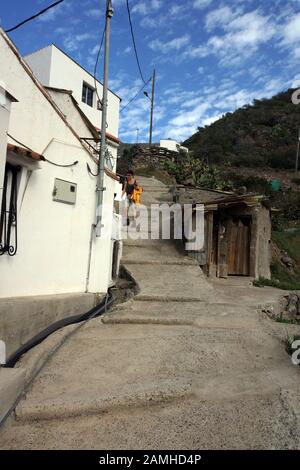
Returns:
<point x="126" y="396"/>
<point x="156" y="189"/>
<point x="212" y="388"/>
<point x="134" y="365"/>
<point x="162" y="261"/>
<point x="168" y="281"/>
<point x="154" y="253"/>
<point x="198" y="314"/>
<point x="157" y="244"/>
<point x="151" y="182"/>
<point x="12" y="383"/>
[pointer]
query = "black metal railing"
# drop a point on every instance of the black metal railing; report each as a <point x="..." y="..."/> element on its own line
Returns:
<point x="8" y="218"/>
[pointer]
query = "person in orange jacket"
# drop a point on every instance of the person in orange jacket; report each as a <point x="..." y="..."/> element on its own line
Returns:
<point x="132" y="190"/>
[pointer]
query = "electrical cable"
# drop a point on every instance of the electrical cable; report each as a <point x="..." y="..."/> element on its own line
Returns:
<point x="42" y="156"/>
<point x="132" y="99"/>
<point x="34" y="16"/>
<point x="61" y="166"/>
<point x="134" y="42"/>
<point x="79" y="318"/>
<point x="90" y="171"/>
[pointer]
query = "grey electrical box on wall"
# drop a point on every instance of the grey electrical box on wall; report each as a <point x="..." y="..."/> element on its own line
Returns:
<point x="64" y="191"/>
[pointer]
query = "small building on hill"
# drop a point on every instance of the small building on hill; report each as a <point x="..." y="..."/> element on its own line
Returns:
<point x="173" y="145"/>
<point x="237" y="233"/>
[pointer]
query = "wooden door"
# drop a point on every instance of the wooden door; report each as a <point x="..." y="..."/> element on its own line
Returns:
<point x="238" y="248"/>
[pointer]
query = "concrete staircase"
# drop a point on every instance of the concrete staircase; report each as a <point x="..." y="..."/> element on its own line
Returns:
<point x="185" y="364"/>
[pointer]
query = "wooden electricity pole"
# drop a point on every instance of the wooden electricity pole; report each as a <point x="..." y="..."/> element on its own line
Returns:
<point x="152" y="107"/>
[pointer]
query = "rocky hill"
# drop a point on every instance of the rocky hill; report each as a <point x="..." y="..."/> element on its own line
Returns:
<point x="262" y="134"/>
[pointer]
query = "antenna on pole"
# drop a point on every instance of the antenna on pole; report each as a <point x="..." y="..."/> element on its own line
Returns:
<point x="100" y="186"/>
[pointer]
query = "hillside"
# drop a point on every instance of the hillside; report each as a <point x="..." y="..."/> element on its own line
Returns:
<point x="263" y="134"/>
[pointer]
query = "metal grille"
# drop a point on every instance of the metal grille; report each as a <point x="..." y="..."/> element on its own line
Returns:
<point x="9" y="219"/>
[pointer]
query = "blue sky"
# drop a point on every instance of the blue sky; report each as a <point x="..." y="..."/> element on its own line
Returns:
<point x="211" y="56"/>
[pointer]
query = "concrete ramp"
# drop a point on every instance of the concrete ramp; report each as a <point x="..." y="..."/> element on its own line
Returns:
<point x="185" y="364"/>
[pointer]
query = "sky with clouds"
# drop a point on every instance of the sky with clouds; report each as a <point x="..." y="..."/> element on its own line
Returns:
<point x="211" y="56"/>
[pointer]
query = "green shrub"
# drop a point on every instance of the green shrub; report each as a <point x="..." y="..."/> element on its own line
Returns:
<point x="283" y="157"/>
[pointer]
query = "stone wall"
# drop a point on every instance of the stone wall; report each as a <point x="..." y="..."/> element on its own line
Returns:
<point x="21" y="318"/>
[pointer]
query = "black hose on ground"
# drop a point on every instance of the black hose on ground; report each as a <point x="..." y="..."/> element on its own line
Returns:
<point x="94" y="312"/>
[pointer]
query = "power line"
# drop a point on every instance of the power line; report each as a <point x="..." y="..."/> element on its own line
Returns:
<point x="34" y="16"/>
<point x="132" y="99"/>
<point x="42" y="156"/>
<point x="134" y="42"/>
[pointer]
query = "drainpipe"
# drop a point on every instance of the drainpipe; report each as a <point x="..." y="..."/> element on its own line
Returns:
<point x="100" y="184"/>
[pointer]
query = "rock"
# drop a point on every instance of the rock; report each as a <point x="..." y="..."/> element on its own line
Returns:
<point x="292" y="307"/>
<point x="189" y="182"/>
<point x="287" y="260"/>
<point x="288" y="309"/>
<point x="241" y="190"/>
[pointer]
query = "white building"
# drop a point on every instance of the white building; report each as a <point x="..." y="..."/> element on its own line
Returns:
<point x="172" y="145"/>
<point x="55" y="69"/>
<point x="47" y="231"/>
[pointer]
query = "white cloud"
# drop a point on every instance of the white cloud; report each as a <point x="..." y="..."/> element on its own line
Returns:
<point x="291" y="36"/>
<point x="176" y="10"/>
<point x="291" y="33"/>
<point x="210" y="120"/>
<point x="140" y="8"/>
<point x="94" y="50"/>
<point x="74" y="41"/>
<point x="200" y="4"/>
<point x="295" y="82"/>
<point x="220" y="17"/>
<point x="173" y="44"/>
<point x="190" y="118"/>
<point x="52" y="14"/>
<point x="251" y="29"/>
<point x="143" y="8"/>
<point x="94" y="13"/>
<point x="243" y="36"/>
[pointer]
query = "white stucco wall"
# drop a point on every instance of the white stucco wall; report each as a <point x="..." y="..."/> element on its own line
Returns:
<point x="4" y="120"/>
<point x="56" y="69"/>
<point x="40" y="63"/>
<point x="53" y="238"/>
<point x="66" y="104"/>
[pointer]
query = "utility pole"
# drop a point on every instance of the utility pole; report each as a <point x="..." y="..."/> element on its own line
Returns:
<point x="137" y="136"/>
<point x="100" y="182"/>
<point x="152" y="108"/>
<point x="297" y="154"/>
